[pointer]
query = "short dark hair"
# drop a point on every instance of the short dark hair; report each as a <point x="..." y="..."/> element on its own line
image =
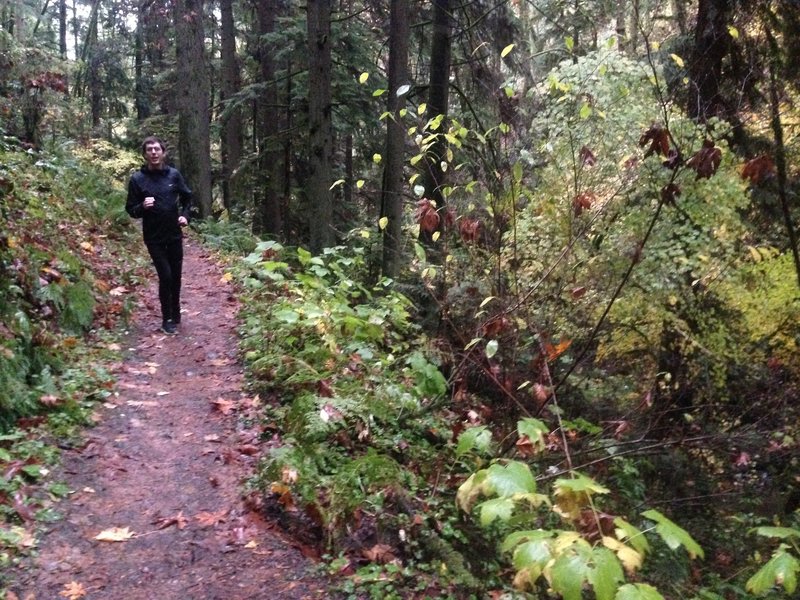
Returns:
<point x="153" y="140"/>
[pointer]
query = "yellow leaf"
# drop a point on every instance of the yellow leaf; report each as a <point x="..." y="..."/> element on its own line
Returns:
<point x="734" y="33"/>
<point x="73" y="591"/>
<point x="630" y="558"/>
<point x="360" y="183"/>
<point x="506" y="50"/>
<point x="435" y="235"/>
<point x="384" y="221"/>
<point x="376" y="158"/>
<point x="678" y="60"/>
<point x="363" y="78"/>
<point x="87" y="246"/>
<point x="115" y="534"/>
<point x="226" y="277"/>
<point x="422" y="108"/>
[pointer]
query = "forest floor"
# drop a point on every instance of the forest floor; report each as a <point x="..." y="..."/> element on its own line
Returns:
<point x="162" y="472"/>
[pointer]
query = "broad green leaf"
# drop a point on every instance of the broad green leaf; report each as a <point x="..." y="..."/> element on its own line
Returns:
<point x="286" y="315"/>
<point x="363" y="77"/>
<point x="581" y="483"/>
<point x="377" y="93"/>
<point x="419" y="251"/>
<point x="606" y="575"/>
<point x="568" y="574"/>
<point x="506" y="50"/>
<point x="516" y="171"/>
<point x="415" y="159"/>
<point x="778" y="532"/>
<point x="491" y="348"/>
<point x="673" y="535"/>
<point x="518" y="537"/>
<point x="497" y="508"/>
<point x="678" y="60"/>
<point x="638" y="591"/>
<point x="586" y="111"/>
<point x="469" y="491"/>
<point x="781" y="569"/>
<point x="510" y="479"/>
<point x="569" y="42"/>
<point x="534" y="429"/>
<point x="534" y="553"/>
<point x="474" y="438"/>
<point x="383" y="222"/>
<point x="631" y="535"/>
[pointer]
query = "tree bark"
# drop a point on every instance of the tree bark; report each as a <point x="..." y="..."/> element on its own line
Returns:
<point x="705" y="69"/>
<point x="231" y="138"/>
<point x="268" y="216"/>
<point x="318" y="193"/>
<point x="392" y="192"/>
<point x="193" y="102"/>
<point x="433" y="176"/>
<point x="140" y="89"/>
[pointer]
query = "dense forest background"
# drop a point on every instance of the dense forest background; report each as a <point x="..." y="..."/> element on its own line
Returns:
<point x="523" y="274"/>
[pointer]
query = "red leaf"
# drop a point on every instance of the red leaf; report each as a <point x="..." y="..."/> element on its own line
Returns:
<point x="582" y="202"/>
<point x="706" y="160"/>
<point x="659" y="141"/>
<point x="759" y="169"/>
<point x="587" y="157"/>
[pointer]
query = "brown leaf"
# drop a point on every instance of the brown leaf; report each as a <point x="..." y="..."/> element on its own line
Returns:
<point x="24" y="511"/>
<point x="525" y="447"/>
<point x="115" y="534"/>
<point x="427" y="216"/>
<point x="706" y="160"/>
<point x="324" y="388"/>
<point x="379" y="553"/>
<point x="209" y="519"/>
<point x="582" y="202"/>
<point x="223" y="406"/>
<point x="759" y="169"/>
<point x="73" y="591"/>
<point x="470" y="230"/>
<point x="178" y="520"/>
<point x="669" y="192"/>
<point x="659" y="141"/>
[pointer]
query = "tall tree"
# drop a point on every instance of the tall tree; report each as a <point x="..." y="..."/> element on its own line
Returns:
<point x="438" y="98"/>
<point x="193" y="101"/>
<point x="231" y="138"/>
<point x="392" y="193"/>
<point x="705" y="70"/>
<point x="268" y="217"/>
<point x="320" y="146"/>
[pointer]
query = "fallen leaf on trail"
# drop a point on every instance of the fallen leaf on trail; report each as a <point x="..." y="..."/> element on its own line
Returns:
<point x="162" y="394"/>
<point x="49" y="400"/>
<point x="73" y="591"/>
<point x="178" y="520"/>
<point x="211" y="437"/>
<point x="226" y="277"/>
<point x="247" y="449"/>
<point x="251" y="544"/>
<point x="223" y="406"/>
<point x="209" y="519"/>
<point x="87" y="246"/>
<point x="118" y="291"/>
<point x="379" y="553"/>
<point x="115" y="534"/>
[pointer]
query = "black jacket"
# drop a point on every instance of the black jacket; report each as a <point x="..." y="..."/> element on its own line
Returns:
<point x="173" y="199"/>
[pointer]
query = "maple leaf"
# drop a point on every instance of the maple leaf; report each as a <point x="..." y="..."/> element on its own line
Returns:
<point x="211" y="519"/>
<point x="223" y="406"/>
<point x="178" y="520"/>
<point x="759" y="169"/>
<point x="115" y="534"/>
<point x="73" y="591"/>
<point x="659" y="141"/>
<point x="426" y="216"/>
<point x="587" y="157"/>
<point x="706" y="160"/>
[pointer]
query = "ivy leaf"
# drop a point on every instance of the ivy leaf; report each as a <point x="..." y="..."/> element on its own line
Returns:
<point x="491" y="348"/>
<point x="673" y="535"/>
<point x="497" y="508"/>
<point x="781" y="569"/>
<point x="474" y="438"/>
<point x="638" y="591"/>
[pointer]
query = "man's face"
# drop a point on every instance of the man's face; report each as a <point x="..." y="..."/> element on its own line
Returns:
<point x="154" y="154"/>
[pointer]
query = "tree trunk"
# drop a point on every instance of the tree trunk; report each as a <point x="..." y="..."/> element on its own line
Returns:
<point x="705" y="69"/>
<point x="438" y="96"/>
<point x="193" y="102"/>
<point x="679" y="14"/>
<point x="392" y="193"/>
<point x="318" y="193"/>
<point x="622" y="33"/>
<point x="62" y="29"/>
<point x="231" y="138"/>
<point x="268" y="216"/>
<point x="140" y="88"/>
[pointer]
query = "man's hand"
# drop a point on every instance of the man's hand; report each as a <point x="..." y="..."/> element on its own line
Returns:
<point x="149" y="202"/>
<point x="182" y="221"/>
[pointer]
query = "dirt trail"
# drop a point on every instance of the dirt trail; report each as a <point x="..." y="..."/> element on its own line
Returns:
<point x="167" y="461"/>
